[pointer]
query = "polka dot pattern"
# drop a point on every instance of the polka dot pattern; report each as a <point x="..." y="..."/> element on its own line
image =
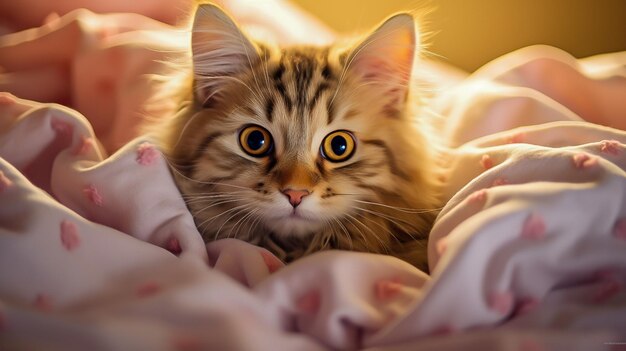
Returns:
<point x="532" y="243"/>
<point x="387" y="289"/>
<point x="84" y="146"/>
<point x="61" y="127"/>
<point x="309" y="303"/>
<point x="5" y="182"/>
<point x="3" y="318"/>
<point x="478" y="196"/>
<point x="271" y="262"/>
<point x="148" y="289"/>
<point x="443" y="330"/>
<point x="43" y="303"/>
<point x="93" y="194"/>
<point x="442" y="246"/>
<point x="530" y="345"/>
<point x="611" y="147"/>
<point x="526" y="305"/>
<point x="69" y="236"/>
<point x="583" y="160"/>
<point x="6" y="99"/>
<point x="619" y="231"/>
<point x="186" y="343"/>
<point x="173" y="246"/>
<point x="499" y="182"/>
<point x="516" y="138"/>
<point x="146" y="154"/>
<point x="607" y="290"/>
<point x="534" y="227"/>
<point x="486" y="162"/>
<point x="501" y="302"/>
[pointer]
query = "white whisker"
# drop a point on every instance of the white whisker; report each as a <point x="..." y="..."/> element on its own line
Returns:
<point x="401" y="209"/>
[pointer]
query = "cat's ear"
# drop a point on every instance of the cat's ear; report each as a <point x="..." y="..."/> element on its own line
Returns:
<point x="385" y="57"/>
<point x="220" y="50"/>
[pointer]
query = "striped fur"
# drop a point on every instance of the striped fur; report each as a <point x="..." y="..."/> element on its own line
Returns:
<point x="381" y="200"/>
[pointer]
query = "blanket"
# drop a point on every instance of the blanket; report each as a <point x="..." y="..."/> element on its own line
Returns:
<point x="98" y="251"/>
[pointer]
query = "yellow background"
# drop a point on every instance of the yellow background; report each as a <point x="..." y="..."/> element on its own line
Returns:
<point x="470" y="33"/>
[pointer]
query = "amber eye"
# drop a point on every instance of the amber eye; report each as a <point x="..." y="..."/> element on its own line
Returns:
<point x="255" y="140"/>
<point x="338" y="146"/>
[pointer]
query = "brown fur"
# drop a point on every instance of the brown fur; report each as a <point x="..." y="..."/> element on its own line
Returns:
<point x="381" y="200"/>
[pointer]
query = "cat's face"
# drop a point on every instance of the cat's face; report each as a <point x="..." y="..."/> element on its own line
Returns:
<point x="303" y="145"/>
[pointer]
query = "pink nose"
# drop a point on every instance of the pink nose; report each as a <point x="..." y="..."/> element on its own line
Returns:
<point x="295" y="196"/>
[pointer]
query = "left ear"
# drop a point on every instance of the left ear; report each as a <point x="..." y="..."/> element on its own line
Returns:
<point x="385" y="57"/>
<point x="220" y="51"/>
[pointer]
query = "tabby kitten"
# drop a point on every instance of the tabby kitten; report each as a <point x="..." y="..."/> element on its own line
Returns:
<point x="301" y="149"/>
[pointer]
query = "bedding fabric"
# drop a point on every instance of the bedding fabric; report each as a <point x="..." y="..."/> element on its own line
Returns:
<point x="98" y="251"/>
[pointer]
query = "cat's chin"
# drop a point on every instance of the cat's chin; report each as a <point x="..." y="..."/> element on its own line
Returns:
<point x="293" y="226"/>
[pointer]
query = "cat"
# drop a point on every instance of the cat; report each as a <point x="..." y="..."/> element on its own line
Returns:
<point x="305" y="148"/>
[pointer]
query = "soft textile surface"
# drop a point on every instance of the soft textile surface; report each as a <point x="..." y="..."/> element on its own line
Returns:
<point x="99" y="252"/>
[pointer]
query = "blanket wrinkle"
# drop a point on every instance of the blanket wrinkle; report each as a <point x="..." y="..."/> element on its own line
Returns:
<point x="98" y="250"/>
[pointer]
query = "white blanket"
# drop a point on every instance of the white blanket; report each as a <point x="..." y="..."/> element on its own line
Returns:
<point x="99" y="252"/>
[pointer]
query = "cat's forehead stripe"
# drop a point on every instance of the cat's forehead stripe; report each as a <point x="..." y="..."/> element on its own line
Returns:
<point x="269" y="109"/>
<point x="321" y="88"/>
<point x="303" y="66"/>
<point x="279" y="85"/>
<point x="308" y="72"/>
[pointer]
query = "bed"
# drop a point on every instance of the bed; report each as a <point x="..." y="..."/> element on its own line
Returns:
<point x="98" y="251"/>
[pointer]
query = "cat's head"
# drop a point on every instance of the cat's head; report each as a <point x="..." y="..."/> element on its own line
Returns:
<point x="316" y="145"/>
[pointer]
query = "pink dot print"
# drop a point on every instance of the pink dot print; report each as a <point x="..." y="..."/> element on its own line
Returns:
<point x="92" y="193"/>
<point x="309" y="303"/>
<point x="69" y="236"/>
<point x="387" y="288"/>
<point x="486" y="162"/>
<point x="146" y="154"/>
<point x="534" y="227"/>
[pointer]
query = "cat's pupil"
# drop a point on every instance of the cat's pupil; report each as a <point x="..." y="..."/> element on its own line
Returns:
<point x="256" y="140"/>
<point x="339" y="145"/>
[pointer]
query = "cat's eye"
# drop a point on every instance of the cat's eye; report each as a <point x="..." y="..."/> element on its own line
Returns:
<point x="338" y="146"/>
<point x="255" y="140"/>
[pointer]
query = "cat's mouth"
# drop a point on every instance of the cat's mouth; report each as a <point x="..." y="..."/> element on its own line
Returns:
<point x="295" y="223"/>
<point x="295" y="215"/>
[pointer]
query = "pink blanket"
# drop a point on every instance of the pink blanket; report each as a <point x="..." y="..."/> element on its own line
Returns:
<point x="99" y="252"/>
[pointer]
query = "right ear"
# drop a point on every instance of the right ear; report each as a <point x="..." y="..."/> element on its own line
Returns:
<point x="220" y="50"/>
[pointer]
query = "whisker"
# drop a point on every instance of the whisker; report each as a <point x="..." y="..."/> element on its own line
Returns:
<point x="195" y="213"/>
<point x="211" y="219"/>
<point x="345" y="230"/>
<point x="204" y="182"/>
<point x="213" y="193"/>
<point x="360" y="233"/>
<point x="376" y="223"/>
<point x="253" y="226"/>
<point x="401" y="209"/>
<point x="237" y="210"/>
<point x="381" y="226"/>
<point x="208" y="198"/>
<point x="196" y="115"/>
<point x="370" y="230"/>
<point x="244" y="218"/>
<point x="388" y="217"/>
